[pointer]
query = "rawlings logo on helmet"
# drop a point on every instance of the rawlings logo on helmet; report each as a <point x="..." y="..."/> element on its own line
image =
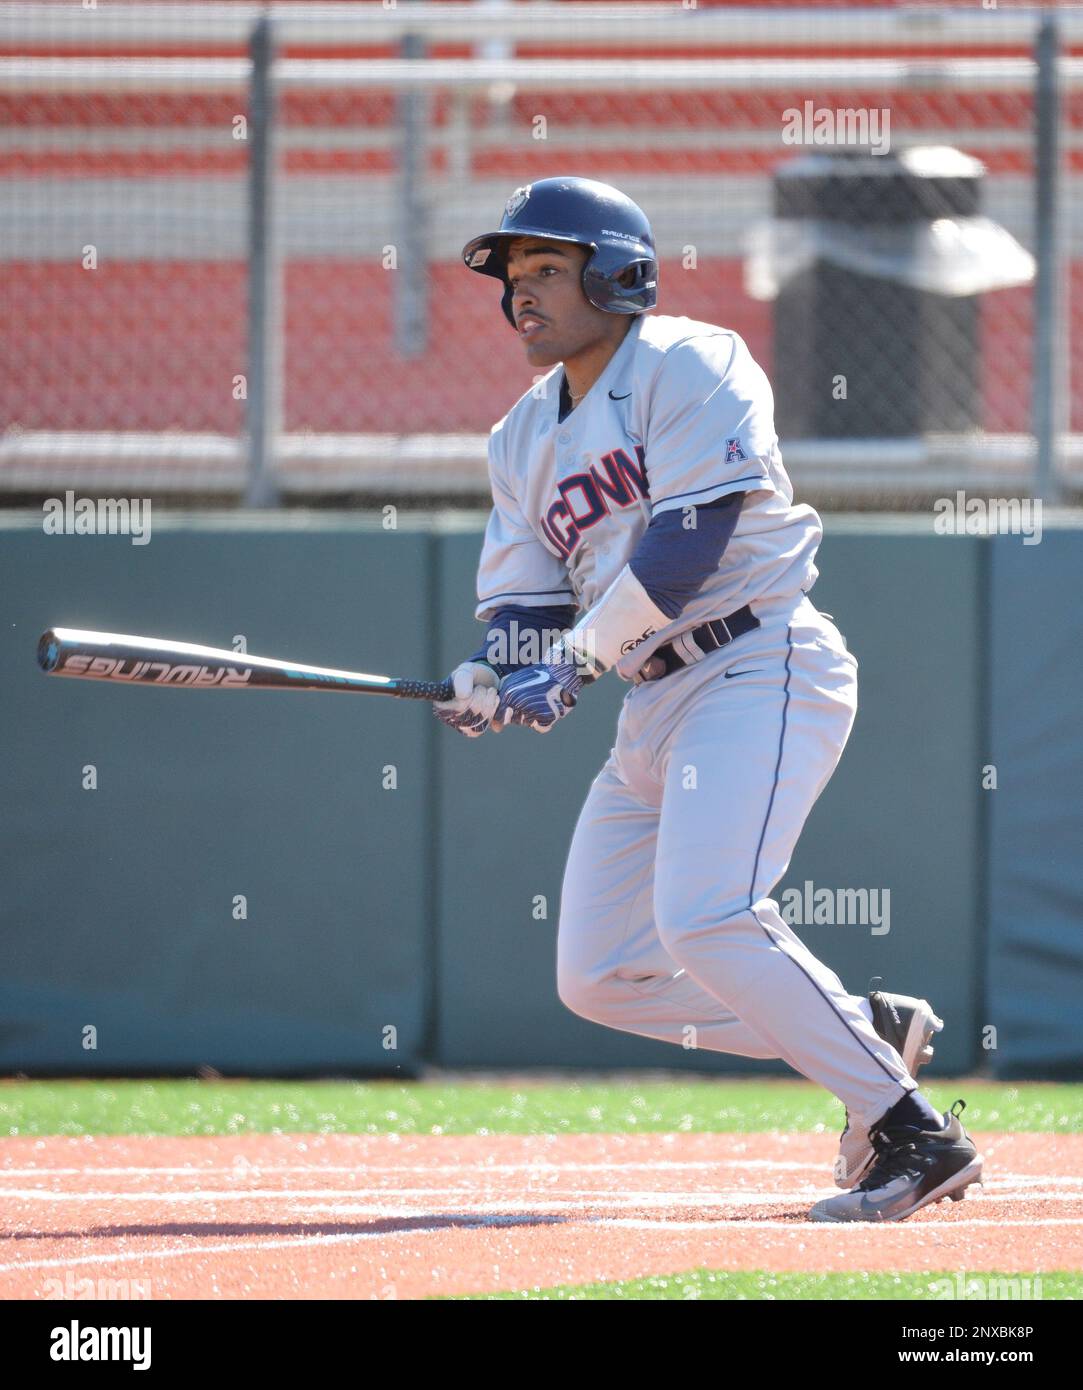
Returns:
<point x="517" y="199"/>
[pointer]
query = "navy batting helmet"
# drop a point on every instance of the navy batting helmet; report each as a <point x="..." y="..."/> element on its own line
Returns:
<point x="585" y="213"/>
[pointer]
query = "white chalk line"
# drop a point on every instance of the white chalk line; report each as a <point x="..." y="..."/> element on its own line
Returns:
<point x="660" y="1165"/>
<point x="645" y="1201"/>
<point x="227" y="1248"/>
<point x="631" y="1223"/>
<point x="364" y="1169"/>
<point x="578" y="1201"/>
<point x="573" y="1201"/>
<point x="720" y="1228"/>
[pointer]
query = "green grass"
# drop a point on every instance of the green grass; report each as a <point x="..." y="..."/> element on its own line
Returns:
<point x="763" y="1284"/>
<point x="192" y="1107"/>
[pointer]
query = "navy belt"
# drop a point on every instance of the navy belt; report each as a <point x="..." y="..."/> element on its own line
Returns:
<point x="689" y="647"/>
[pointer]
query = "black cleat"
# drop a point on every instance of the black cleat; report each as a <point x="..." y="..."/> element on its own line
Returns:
<point x="913" y="1168"/>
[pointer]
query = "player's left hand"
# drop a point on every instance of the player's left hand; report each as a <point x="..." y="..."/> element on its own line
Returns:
<point x="537" y="696"/>
<point x="475" y="686"/>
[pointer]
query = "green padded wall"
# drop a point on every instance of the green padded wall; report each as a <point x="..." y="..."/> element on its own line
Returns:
<point x="118" y="902"/>
<point x="1035" y="860"/>
<point x="410" y="915"/>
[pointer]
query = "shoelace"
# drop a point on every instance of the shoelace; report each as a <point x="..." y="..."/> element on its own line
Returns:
<point x="895" y="1158"/>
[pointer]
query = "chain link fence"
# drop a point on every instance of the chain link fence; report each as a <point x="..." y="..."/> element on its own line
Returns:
<point x="209" y="301"/>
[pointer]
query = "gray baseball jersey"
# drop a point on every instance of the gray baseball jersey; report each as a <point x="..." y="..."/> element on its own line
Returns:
<point x="682" y="415"/>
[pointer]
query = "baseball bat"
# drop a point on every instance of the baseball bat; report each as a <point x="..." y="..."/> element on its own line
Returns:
<point x="118" y="656"/>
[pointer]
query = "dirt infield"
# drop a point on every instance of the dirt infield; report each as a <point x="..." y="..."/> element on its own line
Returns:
<point x="355" y="1216"/>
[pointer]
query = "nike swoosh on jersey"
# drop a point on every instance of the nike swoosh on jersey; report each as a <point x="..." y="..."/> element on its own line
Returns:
<point x="619" y="398"/>
<point x="751" y="672"/>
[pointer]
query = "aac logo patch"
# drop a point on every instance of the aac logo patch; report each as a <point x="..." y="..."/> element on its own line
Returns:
<point x="734" y="452"/>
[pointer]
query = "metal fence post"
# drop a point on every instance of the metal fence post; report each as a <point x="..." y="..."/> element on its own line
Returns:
<point x="264" y="297"/>
<point x="1048" y="293"/>
<point x="411" y="282"/>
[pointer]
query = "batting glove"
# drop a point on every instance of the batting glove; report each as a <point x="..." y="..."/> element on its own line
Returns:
<point x="537" y="696"/>
<point x="476" y="698"/>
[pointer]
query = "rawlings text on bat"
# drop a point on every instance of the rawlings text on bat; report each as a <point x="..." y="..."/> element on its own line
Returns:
<point x="116" y="656"/>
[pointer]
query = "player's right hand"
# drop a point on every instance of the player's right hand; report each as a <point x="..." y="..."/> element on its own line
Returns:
<point x="476" y="687"/>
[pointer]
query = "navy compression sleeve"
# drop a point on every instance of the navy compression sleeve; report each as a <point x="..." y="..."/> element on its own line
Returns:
<point x="672" y="561"/>
<point x="533" y="631"/>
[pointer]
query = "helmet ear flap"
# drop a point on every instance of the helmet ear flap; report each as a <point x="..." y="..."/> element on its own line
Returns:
<point x="605" y="288"/>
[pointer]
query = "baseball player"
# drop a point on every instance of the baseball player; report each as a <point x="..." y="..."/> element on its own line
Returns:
<point x="643" y="524"/>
